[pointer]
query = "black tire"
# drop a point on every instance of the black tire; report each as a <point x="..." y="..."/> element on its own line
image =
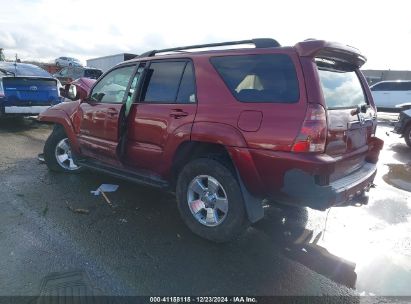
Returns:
<point x="235" y="221"/>
<point x="49" y="151"/>
<point x="407" y="135"/>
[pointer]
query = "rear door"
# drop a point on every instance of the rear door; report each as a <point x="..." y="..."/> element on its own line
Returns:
<point x="99" y="128"/>
<point x="381" y="93"/>
<point x="164" y="113"/>
<point x="350" y="117"/>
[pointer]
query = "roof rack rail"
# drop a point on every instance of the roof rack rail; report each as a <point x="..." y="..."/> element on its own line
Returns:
<point x="259" y="43"/>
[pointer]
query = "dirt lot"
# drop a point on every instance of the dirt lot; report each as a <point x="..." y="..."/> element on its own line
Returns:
<point x="143" y="248"/>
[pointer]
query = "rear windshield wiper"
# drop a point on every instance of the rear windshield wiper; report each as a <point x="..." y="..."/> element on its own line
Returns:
<point x="7" y="72"/>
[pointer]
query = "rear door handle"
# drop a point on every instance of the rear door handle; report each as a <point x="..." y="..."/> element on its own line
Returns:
<point x="178" y="113"/>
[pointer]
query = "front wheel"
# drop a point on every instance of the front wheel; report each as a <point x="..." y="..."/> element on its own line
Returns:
<point x="58" y="154"/>
<point x="407" y="135"/>
<point x="210" y="201"/>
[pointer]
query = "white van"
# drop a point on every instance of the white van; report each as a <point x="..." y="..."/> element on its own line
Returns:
<point x="389" y="94"/>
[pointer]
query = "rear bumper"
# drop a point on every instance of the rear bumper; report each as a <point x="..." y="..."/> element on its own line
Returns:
<point x="25" y="110"/>
<point x="300" y="188"/>
<point x="318" y="181"/>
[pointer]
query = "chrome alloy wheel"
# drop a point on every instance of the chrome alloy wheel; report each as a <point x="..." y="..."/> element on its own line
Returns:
<point x="64" y="156"/>
<point x="207" y="200"/>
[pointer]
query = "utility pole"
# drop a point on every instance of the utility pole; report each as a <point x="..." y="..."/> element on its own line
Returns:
<point x="2" y="57"/>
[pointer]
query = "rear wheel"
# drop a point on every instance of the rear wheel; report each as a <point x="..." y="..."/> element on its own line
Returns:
<point x="210" y="201"/>
<point x="58" y="154"/>
<point x="407" y="135"/>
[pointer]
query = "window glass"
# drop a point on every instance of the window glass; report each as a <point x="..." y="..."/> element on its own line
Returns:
<point x="22" y="69"/>
<point x="377" y="87"/>
<point x="92" y="73"/>
<point x="392" y="86"/>
<point x="77" y="73"/>
<point x="259" y="78"/>
<point x="186" y="92"/>
<point x="341" y="89"/>
<point x="63" y="72"/>
<point x="163" y="81"/>
<point x="133" y="87"/>
<point x="113" y="86"/>
<point x="404" y="86"/>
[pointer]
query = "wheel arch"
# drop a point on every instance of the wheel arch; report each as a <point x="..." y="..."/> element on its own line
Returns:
<point x="60" y="118"/>
<point x="190" y="150"/>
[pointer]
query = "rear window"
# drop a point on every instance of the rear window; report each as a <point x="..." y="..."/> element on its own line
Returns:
<point x="259" y="78"/>
<point x="21" y="69"/>
<point x="31" y="70"/>
<point x="342" y="89"/>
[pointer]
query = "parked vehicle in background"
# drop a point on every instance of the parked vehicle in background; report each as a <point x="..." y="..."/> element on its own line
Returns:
<point x="67" y="61"/>
<point x="26" y="89"/>
<point x="388" y="94"/>
<point x="68" y="74"/>
<point x="403" y="126"/>
<point x="227" y="129"/>
<point x="107" y="62"/>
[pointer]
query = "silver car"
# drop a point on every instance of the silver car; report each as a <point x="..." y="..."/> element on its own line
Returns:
<point x="67" y="61"/>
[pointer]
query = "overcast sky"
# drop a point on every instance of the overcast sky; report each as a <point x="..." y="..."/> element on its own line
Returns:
<point x="46" y="29"/>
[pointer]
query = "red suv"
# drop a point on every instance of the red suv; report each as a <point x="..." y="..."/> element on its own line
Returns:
<point x="227" y="129"/>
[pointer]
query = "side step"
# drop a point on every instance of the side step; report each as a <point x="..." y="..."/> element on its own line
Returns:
<point x="136" y="176"/>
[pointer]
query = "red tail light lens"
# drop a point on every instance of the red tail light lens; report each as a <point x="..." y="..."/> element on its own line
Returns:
<point x="313" y="133"/>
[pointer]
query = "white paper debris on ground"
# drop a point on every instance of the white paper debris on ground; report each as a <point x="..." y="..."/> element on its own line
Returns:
<point x="40" y="158"/>
<point x="105" y="188"/>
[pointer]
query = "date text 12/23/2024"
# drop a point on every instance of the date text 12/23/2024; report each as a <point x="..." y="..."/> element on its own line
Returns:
<point x="234" y="299"/>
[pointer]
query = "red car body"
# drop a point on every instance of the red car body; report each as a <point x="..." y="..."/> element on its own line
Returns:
<point x="261" y="139"/>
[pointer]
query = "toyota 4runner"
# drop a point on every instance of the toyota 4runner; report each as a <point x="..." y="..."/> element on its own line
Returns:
<point x="227" y="129"/>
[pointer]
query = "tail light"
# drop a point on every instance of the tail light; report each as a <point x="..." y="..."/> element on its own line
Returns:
<point x="313" y="133"/>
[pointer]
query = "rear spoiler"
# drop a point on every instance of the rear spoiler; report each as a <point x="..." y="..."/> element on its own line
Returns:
<point x="331" y="51"/>
<point x="30" y="77"/>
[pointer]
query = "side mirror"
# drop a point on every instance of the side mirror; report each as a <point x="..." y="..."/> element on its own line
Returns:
<point x="73" y="92"/>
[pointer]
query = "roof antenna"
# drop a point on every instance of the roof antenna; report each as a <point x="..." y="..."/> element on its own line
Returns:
<point x="15" y="64"/>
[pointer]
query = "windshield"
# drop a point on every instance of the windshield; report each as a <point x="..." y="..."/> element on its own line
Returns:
<point x="24" y="69"/>
<point x="342" y="89"/>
